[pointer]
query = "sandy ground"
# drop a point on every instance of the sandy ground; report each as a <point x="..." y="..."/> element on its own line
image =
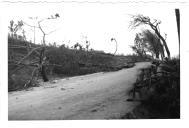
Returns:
<point x="94" y="96"/>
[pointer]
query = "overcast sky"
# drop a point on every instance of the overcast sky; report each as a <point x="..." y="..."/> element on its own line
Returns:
<point x="98" y="22"/>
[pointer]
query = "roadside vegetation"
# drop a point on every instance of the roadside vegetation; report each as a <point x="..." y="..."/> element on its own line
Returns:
<point x="31" y="62"/>
<point x="158" y="90"/>
<point x="60" y="61"/>
<point x="157" y="87"/>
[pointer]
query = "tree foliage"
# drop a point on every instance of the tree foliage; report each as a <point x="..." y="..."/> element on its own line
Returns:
<point x="153" y="44"/>
<point x="148" y="42"/>
<point x="138" y="20"/>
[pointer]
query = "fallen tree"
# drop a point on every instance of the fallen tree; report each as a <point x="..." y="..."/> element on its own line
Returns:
<point x="32" y="57"/>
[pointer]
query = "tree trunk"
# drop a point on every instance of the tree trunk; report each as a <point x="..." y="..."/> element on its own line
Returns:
<point x="157" y="55"/>
<point x="43" y="68"/>
<point x="44" y="74"/>
<point x="116" y="47"/>
<point x="166" y="47"/>
<point x="164" y="43"/>
<point x="162" y="53"/>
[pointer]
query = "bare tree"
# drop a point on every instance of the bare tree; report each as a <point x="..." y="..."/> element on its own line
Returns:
<point x="154" y="24"/>
<point x="13" y="28"/>
<point x="87" y="45"/>
<point x="42" y="58"/>
<point x="113" y="39"/>
<point x="40" y="61"/>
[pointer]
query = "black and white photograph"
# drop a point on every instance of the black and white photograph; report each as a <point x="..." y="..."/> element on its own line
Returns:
<point x="93" y="60"/>
<point x="86" y="61"/>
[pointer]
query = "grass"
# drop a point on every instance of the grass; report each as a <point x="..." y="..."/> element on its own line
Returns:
<point x="62" y="62"/>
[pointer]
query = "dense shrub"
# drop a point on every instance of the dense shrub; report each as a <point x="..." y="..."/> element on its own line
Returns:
<point x="161" y="90"/>
<point x="69" y="61"/>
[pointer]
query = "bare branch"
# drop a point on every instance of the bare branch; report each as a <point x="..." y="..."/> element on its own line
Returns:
<point x="29" y="54"/>
<point x="16" y="46"/>
<point x="31" y="79"/>
<point x="15" y="70"/>
<point x="30" y="25"/>
<point x="41" y="27"/>
<point x="51" y="32"/>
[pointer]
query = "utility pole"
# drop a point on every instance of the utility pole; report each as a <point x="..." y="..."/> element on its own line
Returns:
<point x="34" y="34"/>
<point x="177" y="13"/>
<point x="34" y="22"/>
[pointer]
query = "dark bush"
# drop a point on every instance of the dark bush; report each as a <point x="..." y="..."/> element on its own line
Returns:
<point x="164" y="100"/>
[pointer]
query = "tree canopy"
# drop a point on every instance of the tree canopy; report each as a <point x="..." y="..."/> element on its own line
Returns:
<point x="138" y="20"/>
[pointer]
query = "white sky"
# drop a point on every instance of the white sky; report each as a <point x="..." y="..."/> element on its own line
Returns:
<point x="99" y="22"/>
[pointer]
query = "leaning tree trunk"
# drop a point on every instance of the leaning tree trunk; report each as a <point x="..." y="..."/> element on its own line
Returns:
<point x="116" y="47"/>
<point x="162" y="54"/>
<point x="164" y="42"/>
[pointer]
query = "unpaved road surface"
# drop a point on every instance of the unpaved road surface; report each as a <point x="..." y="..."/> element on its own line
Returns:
<point x="94" y="96"/>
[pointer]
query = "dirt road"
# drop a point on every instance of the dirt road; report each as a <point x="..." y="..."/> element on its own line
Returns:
<point x="94" y="96"/>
